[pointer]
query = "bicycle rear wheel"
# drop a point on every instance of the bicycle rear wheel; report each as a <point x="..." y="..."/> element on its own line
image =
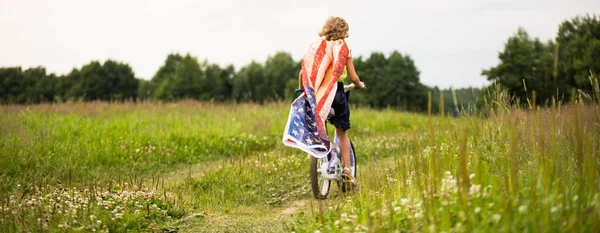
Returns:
<point x="320" y="185"/>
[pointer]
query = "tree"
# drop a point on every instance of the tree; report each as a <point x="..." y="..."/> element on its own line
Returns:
<point x="528" y="65"/>
<point x="30" y="86"/>
<point x="109" y="81"/>
<point x="525" y="66"/>
<point x="280" y="69"/>
<point x="184" y="77"/>
<point x="392" y="81"/>
<point x="249" y="84"/>
<point x="11" y="84"/>
<point x="180" y="77"/>
<point x="579" y="52"/>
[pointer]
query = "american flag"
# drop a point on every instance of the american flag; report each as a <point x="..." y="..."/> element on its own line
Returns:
<point x="321" y="68"/>
<point x="303" y="127"/>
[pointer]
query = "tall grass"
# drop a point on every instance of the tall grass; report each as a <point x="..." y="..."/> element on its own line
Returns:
<point x="533" y="170"/>
<point x="119" y="166"/>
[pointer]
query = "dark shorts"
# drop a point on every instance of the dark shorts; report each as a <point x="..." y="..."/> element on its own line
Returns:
<point x="341" y="119"/>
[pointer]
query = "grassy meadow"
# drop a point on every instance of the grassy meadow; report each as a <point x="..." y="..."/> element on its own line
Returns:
<point x="205" y="167"/>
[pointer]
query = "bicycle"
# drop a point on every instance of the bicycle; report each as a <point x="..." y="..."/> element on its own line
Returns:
<point x="329" y="168"/>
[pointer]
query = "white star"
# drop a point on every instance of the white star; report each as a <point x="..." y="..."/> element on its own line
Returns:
<point x="295" y="133"/>
<point x="309" y="141"/>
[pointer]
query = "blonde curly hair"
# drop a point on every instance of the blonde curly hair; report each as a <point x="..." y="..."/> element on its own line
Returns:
<point x="335" y="28"/>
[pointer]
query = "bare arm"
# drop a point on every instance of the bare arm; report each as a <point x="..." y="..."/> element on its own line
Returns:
<point x="352" y="74"/>
<point x="300" y="86"/>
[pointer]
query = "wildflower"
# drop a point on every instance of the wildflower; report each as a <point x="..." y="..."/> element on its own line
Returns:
<point x="432" y="228"/>
<point x="404" y="201"/>
<point x="475" y="190"/>
<point x="477" y="209"/>
<point x="496" y="217"/>
<point x="523" y="209"/>
<point x="418" y="215"/>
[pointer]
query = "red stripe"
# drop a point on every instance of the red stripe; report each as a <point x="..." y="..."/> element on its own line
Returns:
<point x="317" y="61"/>
<point x="337" y="69"/>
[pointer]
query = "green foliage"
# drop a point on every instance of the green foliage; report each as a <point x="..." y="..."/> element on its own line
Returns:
<point x="30" y="86"/>
<point x="456" y="101"/>
<point x="528" y="65"/>
<point x="109" y="81"/>
<point x="525" y="66"/>
<point x="391" y="82"/>
<point x="516" y="171"/>
<point x="184" y="77"/>
<point x="579" y="52"/>
<point x="270" y="82"/>
<point x="250" y="84"/>
<point x="221" y="166"/>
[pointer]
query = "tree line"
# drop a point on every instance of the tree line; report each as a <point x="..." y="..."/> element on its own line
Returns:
<point x="393" y="81"/>
<point x="552" y="69"/>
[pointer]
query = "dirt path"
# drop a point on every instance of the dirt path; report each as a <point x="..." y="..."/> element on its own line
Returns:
<point x="260" y="218"/>
<point x="244" y="219"/>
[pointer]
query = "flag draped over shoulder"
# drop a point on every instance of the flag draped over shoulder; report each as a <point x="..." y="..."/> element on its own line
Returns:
<point x="321" y="68"/>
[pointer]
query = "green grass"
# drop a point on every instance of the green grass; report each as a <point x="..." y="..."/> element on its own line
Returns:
<point x="516" y="171"/>
<point x="222" y="167"/>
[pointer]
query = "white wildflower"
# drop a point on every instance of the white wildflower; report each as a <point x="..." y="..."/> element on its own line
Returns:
<point x="523" y="209"/>
<point x="496" y="217"/>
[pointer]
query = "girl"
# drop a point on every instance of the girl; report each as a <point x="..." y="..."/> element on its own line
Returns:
<point x="336" y="30"/>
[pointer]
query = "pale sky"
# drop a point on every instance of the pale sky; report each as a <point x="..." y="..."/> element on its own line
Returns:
<point x="451" y="41"/>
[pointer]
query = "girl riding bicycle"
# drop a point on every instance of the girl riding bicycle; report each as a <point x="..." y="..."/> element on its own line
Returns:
<point x="336" y="29"/>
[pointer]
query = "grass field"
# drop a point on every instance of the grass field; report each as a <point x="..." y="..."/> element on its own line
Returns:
<point x="204" y="167"/>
